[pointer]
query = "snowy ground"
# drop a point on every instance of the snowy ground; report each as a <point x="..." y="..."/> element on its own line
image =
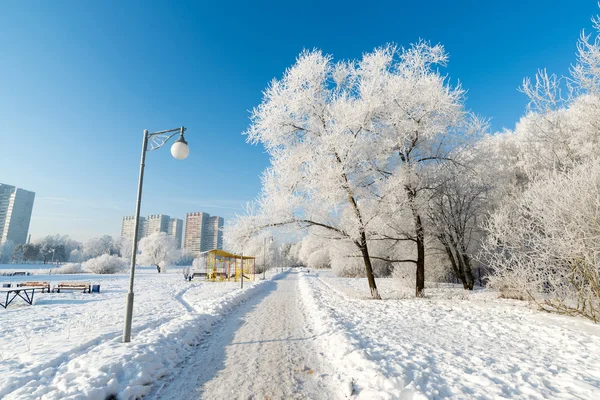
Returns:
<point x="452" y="345"/>
<point x="297" y="335"/>
<point x="67" y="345"/>
<point x="266" y="349"/>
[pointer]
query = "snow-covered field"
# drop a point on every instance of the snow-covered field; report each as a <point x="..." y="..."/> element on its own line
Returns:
<point x="68" y="345"/>
<point x="307" y="334"/>
<point x="451" y="344"/>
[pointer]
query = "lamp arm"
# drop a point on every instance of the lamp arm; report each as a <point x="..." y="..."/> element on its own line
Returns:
<point x="159" y="139"/>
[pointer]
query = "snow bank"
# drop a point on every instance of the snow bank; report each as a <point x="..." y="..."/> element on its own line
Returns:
<point x="363" y="376"/>
<point x="169" y="320"/>
<point x="460" y="346"/>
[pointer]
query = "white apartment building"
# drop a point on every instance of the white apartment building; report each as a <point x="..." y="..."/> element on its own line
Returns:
<point x="176" y="230"/>
<point x="128" y="226"/>
<point x="16" y="206"/>
<point x="203" y="232"/>
<point x="157" y="223"/>
<point x="153" y="224"/>
<point x="214" y="233"/>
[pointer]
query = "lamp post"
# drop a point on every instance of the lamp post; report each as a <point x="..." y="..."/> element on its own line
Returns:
<point x="265" y="256"/>
<point x="179" y="150"/>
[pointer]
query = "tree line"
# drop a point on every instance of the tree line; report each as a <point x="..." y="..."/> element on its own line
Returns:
<point x="381" y="164"/>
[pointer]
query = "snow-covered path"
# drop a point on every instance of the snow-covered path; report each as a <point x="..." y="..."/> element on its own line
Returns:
<point x="263" y="349"/>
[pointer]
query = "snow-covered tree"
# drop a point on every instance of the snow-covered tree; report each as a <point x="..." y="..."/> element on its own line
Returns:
<point x="158" y="249"/>
<point x="335" y="131"/>
<point x="461" y="200"/>
<point x="76" y="256"/>
<point x="124" y="245"/>
<point x="314" y="252"/>
<point x="543" y="238"/>
<point x="97" y="246"/>
<point x="545" y="245"/>
<point x="31" y="252"/>
<point x="56" y="247"/>
<point x="17" y="254"/>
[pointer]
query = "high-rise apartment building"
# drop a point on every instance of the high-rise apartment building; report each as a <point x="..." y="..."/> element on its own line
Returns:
<point x="214" y="233"/>
<point x="195" y="225"/>
<point x="153" y="224"/>
<point x="176" y="230"/>
<point x="16" y="206"/>
<point x="129" y="224"/>
<point x="203" y="232"/>
<point x="157" y="223"/>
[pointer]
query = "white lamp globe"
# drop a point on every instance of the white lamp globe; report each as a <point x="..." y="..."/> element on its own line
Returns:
<point x="180" y="149"/>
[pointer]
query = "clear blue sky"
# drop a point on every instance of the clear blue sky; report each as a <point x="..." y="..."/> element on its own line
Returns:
<point x="80" y="80"/>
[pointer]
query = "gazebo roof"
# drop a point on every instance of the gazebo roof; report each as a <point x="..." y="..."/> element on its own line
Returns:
<point x="223" y="253"/>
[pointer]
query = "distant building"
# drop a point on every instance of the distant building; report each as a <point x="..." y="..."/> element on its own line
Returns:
<point x="157" y="223"/>
<point x="153" y="224"/>
<point x="16" y="206"/>
<point x="202" y="232"/>
<point x="195" y="225"/>
<point x="128" y="226"/>
<point x="176" y="230"/>
<point x="214" y="233"/>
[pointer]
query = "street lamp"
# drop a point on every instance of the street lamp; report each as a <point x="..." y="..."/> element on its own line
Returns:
<point x="180" y="151"/>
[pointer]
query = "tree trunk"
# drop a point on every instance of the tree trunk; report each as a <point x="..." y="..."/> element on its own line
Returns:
<point x="420" y="256"/>
<point x="468" y="270"/>
<point x="369" y="268"/>
<point x="420" y="233"/>
<point x="455" y="267"/>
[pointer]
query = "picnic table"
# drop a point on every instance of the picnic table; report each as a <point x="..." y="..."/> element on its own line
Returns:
<point x="24" y="292"/>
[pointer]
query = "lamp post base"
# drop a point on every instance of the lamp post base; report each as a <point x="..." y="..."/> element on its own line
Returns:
<point x="128" y="318"/>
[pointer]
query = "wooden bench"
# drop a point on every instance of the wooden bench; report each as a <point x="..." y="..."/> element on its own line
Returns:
<point x="45" y="286"/>
<point x="85" y="286"/>
<point x="200" y="274"/>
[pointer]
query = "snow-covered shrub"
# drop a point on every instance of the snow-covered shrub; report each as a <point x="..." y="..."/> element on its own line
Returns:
<point x="545" y="245"/>
<point x="105" y="264"/>
<point x="319" y="260"/>
<point x="199" y="264"/>
<point x="313" y="252"/>
<point x="69" y="268"/>
<point x="352" y="266"/>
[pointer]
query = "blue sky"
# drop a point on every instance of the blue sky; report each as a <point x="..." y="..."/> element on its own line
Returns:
<point x="80" y="80"/>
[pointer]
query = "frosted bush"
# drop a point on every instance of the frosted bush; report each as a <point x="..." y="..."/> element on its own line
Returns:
<point x="354" y="267"/>
<point x="199" y="264"/>
<point x="545" y="245"/>
<point x="319" y="260"/>
<point x="105" y="264"/>
<point x="69" y="268"/>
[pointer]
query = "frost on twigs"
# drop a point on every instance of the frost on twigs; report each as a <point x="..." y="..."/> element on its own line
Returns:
<point x="351" y="144"/>
<point x="159" y="249"/>
<point x="545" y="245"/>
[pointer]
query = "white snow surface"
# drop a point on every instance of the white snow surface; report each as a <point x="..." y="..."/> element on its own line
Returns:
<point x="296" y="335"/>
<point x="68" y="345"/>
<point x="265" y="349"/>
<point x="452" y="344"/>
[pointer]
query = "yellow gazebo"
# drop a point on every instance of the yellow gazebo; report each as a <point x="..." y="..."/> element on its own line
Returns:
<point x="220" y="265"/>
